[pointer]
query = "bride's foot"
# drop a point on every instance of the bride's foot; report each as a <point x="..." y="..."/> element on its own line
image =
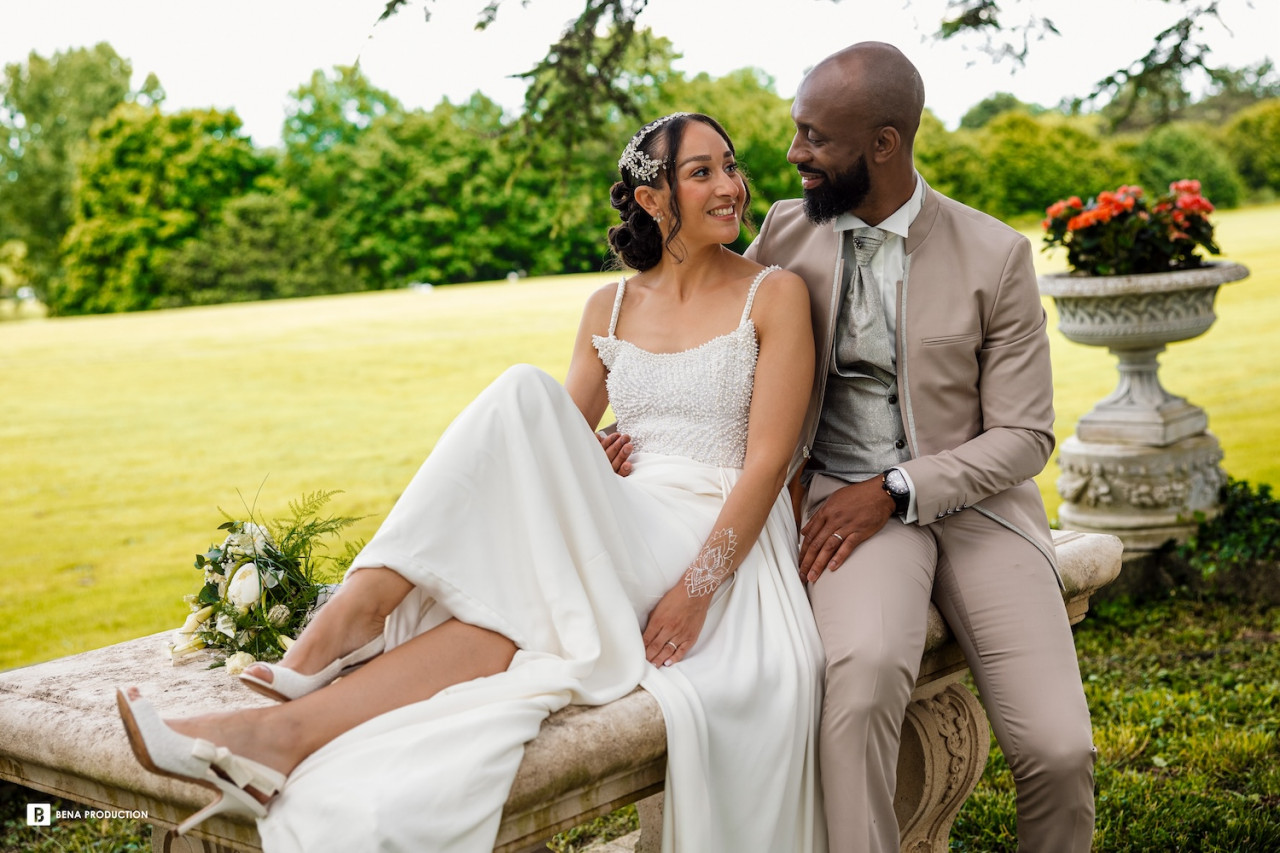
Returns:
<point x="346" y="632"/>
<point x="244" y="786"/>
<point x="284" y="683"/>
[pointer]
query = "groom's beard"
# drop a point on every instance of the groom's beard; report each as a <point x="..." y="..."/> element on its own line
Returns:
<point x="837" y="194"/>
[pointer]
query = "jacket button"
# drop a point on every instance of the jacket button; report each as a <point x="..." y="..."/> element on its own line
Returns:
<point x="893" y="399"/>
<point x="899" y="444"/>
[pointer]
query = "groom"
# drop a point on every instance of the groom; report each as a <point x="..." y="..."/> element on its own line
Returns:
<point x="931" y="412"/>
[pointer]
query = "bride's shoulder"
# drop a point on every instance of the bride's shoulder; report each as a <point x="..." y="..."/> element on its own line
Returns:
<point x="780" y="294"/>
<point x="598" y="311"/>
<point x="775" y="283"/>
<point x="604" y="295"/>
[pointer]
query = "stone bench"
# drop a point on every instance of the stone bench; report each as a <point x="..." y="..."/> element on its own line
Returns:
<point x="60" y="734"/>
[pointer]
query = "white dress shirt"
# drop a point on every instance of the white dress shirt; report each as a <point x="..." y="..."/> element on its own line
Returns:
<point x="889" y="265"/>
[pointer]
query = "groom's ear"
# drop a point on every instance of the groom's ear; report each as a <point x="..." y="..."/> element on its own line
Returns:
<point x="888" y="143"/>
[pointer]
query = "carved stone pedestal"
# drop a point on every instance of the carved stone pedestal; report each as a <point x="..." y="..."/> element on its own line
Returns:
<point x="1144" y="495"/>
<point x="1142" y="463"/>
<point x="945" y="741"/>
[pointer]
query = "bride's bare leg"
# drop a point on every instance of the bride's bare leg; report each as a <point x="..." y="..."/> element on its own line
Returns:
<point x="346" y="622"/>
<point x="280" y="736"/>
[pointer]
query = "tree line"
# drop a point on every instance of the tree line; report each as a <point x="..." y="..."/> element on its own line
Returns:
<point x="108" y="202"/>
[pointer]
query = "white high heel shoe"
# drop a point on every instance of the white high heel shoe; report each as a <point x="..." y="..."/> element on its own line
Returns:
<point x="286" y="684"/>
<point x="162" y="750"/>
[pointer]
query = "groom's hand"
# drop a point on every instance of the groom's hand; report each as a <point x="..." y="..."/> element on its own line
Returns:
<point x="617" y="447"/>
<point x="845" y="520"/>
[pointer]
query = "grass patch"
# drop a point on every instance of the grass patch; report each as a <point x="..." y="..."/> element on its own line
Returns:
<point x="123" y="434"/>
<point x="94" y="835"/>
<point x="1185" y="698"/>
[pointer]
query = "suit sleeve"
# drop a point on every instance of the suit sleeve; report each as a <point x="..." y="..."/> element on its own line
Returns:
<point x="1015" y="393"/>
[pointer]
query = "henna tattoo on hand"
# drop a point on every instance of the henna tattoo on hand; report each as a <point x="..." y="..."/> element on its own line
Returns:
<point x="713" y="564"/>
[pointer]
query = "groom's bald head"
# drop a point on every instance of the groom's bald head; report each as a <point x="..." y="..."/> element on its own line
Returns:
<point x="872" y="82"/>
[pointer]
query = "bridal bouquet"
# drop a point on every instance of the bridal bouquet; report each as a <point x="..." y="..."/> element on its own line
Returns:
<point x="1122" y="233"/>
<point x="260" y="586"/>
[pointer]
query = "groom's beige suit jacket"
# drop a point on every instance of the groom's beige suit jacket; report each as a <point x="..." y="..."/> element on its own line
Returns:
<point x="972" y="354"/>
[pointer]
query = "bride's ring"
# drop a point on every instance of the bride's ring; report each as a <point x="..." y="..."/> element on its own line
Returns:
<point x="838" y="536"/>
<point x="671" y="644"/>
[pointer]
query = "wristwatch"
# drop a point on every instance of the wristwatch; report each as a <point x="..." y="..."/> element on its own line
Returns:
<point x="894" y="483"/>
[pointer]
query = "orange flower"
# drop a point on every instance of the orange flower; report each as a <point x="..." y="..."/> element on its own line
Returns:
<point x="1088" y="218"/>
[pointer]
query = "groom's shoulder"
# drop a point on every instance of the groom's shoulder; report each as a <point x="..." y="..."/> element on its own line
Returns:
<point x="961" y="217"/>
<point x="787" y="235"/>
<point x="786" y="221"/>
<point x="784" y="212"/>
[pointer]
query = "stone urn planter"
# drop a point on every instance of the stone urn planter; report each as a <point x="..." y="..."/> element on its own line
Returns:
<point x="1142" y="463"/>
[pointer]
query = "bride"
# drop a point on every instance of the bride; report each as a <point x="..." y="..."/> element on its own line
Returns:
<point x="532" y="563"/>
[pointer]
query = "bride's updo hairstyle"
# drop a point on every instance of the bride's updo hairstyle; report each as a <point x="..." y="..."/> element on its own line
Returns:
<point x="649" y="160"/>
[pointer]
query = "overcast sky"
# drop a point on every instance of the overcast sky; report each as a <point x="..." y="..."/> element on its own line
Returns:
<point x="249" y="54"/>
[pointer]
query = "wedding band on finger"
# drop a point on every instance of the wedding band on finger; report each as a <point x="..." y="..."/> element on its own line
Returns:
<point x="671" y="644"/>
<point x="838" y="537"/>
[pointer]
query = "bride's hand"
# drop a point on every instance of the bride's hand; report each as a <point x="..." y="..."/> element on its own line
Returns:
<point x="617" y="447"/>
<point x="674" y="626"/>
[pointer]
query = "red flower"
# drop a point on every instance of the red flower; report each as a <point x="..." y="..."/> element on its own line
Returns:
<point x="1194" y="204"/>
<point x="1119" y="232"/>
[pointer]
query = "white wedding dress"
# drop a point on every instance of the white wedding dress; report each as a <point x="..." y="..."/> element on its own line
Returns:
<point x="517" y="523"/>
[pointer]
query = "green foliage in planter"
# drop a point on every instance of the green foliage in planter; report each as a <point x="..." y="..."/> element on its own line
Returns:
<point x="1240" y="547"/>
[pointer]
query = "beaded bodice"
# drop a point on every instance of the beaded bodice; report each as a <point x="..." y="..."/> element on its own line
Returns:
<point x="692" y="403"/>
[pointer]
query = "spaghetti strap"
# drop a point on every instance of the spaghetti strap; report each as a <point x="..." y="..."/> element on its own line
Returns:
<point x="617" y="305"/>
<point x="751" y="294"/>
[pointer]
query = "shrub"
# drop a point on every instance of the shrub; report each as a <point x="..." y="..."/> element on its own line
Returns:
<point x="1175" y="151"/>
<point x="1253" y="143"/>
<point x="1237" y="553"/>
<point x="1029" y="161"/>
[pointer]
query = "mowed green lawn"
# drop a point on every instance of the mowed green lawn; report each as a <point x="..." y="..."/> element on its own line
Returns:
<point x="121" y="436"/>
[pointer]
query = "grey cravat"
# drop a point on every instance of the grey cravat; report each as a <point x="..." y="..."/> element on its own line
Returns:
<point x="863" y="334"/>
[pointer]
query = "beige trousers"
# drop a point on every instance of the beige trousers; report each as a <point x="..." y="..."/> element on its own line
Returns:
<point x="1001" y="599"/>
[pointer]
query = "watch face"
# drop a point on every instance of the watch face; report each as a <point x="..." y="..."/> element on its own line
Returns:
<point x="896" y="482"/>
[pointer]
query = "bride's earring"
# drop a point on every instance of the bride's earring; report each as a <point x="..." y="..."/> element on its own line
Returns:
<point x="657" y="217"/>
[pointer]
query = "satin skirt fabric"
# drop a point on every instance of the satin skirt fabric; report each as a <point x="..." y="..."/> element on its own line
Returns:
<point x="517" y="523"/>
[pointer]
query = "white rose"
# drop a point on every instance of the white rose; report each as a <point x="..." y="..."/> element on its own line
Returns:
<point x="244" y="589"/>
<point x="238" y="662"/>
<point x="234" y="544"/>
<point x="260" y="535"/>
<point x="251" y="541"/>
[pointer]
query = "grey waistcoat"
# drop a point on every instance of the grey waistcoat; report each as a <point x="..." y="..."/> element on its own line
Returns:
<point x="860" y="430"/>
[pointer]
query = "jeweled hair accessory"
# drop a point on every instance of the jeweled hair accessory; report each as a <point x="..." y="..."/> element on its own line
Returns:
<point x="640" y="165"/>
